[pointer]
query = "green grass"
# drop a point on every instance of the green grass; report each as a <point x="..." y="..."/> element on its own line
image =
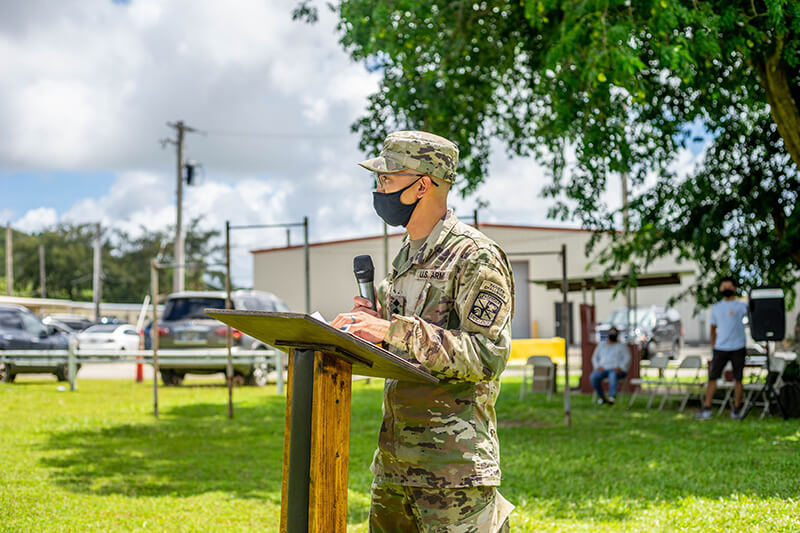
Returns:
<point x="96" y="460"/>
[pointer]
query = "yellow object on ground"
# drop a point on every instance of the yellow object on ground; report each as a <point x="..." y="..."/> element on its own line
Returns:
<point x="521" y="349"/>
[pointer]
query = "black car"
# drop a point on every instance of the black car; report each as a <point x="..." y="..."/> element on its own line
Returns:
<point x="22" y="330"/>
<point x="654" y="328"/>
<point x="184" y="325"/>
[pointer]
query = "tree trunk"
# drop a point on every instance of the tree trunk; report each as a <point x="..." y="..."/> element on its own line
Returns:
<point x="782" y="105"/>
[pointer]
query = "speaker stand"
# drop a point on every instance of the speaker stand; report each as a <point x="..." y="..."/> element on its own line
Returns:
<point x="768" y="391"/>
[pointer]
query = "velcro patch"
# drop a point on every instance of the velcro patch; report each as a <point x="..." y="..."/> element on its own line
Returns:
<point x="433" y="275"/>
<point x="397" y="304"/>
<point x="495" y="289"/>
<point x="485" y="308"/>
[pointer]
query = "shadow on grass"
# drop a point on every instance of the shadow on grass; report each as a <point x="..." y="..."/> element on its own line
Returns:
<point x="607" y="466"/>
<point x="615" y="461"/>
<point x="194" y="449"/>
<point x="191" y="449"/>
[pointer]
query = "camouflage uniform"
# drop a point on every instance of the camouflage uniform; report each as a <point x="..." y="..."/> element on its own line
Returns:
<point x="450" y="305"/>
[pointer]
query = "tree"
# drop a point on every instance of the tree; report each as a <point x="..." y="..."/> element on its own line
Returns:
<point x="126" y="261"/>
<point x="595" y="90"/>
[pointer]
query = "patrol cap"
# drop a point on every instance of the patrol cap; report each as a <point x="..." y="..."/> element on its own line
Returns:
<point x="416" y="150"/>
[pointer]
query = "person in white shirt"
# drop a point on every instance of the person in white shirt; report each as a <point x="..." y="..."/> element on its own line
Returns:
<point x="728" y="342"/>
<point x="609" y="360"/>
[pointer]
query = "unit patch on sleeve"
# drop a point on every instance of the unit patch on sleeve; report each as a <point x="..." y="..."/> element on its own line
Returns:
<point x="484" y="309"/>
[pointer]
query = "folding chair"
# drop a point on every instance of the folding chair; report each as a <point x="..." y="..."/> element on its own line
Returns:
<point x="690" y="362"/>
<point x="659" y="363"/>
<point x="696" y="385"/>
<point x="755" y="383"/>
<point x="538" y="362"/>
<point x="777" y="365"/>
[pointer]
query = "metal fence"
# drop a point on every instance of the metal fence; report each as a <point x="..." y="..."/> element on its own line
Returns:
<point x="186" y="359"/>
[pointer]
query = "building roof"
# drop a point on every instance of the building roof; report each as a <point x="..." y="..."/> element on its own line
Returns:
<point x="394" y="235"/>
<point x="653" y="279"/>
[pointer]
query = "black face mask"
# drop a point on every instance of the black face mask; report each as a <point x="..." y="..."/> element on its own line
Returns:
<point x="391" y="209"/>
<point x="613" y="337"/>
<point x="727" y="293"/>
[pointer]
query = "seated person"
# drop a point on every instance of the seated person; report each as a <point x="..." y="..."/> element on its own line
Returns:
<point x="609" y="360"/>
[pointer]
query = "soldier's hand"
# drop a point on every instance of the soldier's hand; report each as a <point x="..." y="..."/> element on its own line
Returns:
<point x="365" y="306"/>
<point x="363" y="325"/>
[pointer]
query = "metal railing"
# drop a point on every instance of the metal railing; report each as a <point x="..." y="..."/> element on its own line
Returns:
<point x="166" y="358"/>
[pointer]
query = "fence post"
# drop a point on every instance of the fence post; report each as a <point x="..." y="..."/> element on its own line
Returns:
<point x="279" y="371"/>
<point x="72" y="369"/>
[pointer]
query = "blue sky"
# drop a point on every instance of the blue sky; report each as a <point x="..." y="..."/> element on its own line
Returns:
<point x="26" y="190"/>
<point x="87" y="88"/>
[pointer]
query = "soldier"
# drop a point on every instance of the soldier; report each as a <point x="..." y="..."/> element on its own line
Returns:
<point x="447" y="304"/>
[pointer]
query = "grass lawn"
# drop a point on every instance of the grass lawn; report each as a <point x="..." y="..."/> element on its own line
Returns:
<point x="96" y="460"/>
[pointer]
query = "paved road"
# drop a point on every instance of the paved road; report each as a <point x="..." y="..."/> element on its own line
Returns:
<point x="128" y="370"/>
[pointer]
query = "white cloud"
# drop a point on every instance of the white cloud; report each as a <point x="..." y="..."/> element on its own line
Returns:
<point x="36" y="220"/>
<point x="90" y="87"/>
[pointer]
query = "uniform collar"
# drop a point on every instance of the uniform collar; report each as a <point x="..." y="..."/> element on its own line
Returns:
<point x="433" y="242"/>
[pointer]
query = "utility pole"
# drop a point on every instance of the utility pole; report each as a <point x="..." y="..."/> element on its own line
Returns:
<point x="97" y="277"/>
<point x="9" y="262"/>
<point x="42" y="272"/>
<point x="179" y="272"/>
<point x="229" y="305"/>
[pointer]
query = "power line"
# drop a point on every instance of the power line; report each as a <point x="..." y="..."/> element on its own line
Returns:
<point x="268" y="135"/>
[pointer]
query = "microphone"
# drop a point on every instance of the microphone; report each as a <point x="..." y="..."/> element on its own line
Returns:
<point x="365" y="275"/>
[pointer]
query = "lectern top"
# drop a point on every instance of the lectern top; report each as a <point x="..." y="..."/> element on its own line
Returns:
<point x="299" y="330"/>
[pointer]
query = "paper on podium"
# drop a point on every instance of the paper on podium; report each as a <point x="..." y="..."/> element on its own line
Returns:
<point x="301" y="331"/>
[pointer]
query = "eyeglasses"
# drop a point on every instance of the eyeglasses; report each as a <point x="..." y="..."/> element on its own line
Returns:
<point x="381" y="179"/>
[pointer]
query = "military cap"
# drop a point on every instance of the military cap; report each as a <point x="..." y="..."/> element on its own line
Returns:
<point x="416" y="150"/>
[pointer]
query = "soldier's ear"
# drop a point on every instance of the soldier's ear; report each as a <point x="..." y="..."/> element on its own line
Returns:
<point x="425" y="186"/>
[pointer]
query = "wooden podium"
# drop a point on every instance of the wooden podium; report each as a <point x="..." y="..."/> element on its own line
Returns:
<point x="316" y="447"/>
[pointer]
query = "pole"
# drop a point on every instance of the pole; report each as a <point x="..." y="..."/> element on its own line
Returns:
<point x="97" y="287"/>
<point x="625" y="227"/>
<point x="475" y="218"/>
<point x="288" y="237"/>
<point x="42" y="272"/>
<point x="565" y="325"/>
<point x="154" y="333"/>
<point x="307" y="265"/>
<point x="386" y="248"/>
<point x="178" y="274"/>
<point x="72" y="367"/>
<point x="9" y="262"/>
<point x="228" y="305"/>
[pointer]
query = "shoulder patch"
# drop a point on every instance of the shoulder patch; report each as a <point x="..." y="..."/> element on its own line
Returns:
<point x="494" y="288"/>
<point x="485" y="308"/>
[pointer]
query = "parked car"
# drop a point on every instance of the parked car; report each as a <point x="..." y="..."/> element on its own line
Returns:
<point x="75" y="322"/>
<point x="654" y="328"/>
<point x="22" y="330"/>
<point x="184" y="325"/>
<point x="60" y="327"/>
<point x="109" y="337"/>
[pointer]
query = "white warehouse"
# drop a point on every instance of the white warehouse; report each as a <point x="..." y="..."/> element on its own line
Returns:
<point x="281" y="271"/>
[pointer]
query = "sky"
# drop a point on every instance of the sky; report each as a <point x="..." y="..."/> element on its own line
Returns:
<point x="88" y="86"/>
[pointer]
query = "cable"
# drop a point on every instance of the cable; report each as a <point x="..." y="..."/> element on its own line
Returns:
<point x="262" y="135"/>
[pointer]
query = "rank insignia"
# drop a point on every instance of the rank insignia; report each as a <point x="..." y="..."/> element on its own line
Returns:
<point x="397" y="304"/>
